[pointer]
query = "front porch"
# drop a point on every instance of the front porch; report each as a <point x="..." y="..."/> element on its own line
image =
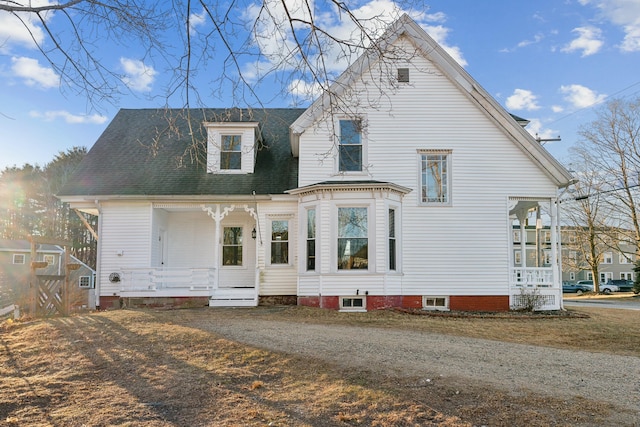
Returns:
<point x="186" y="282"/>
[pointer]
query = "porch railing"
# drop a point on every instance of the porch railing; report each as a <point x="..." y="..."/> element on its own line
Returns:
<point x="538" y="281"/>
<point x="532" y="277"/>
<point x="167" y="279"/>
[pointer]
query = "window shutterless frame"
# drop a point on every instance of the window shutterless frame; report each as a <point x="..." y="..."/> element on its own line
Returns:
<point x="434" y="177"/>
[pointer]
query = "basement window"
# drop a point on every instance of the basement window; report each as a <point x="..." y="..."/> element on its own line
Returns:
<point x="354" y="303"/>
<point x="435" y="303"/>
<point x="18" y="258"/>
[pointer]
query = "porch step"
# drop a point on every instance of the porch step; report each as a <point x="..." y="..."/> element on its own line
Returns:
<point x="233" y="297"/>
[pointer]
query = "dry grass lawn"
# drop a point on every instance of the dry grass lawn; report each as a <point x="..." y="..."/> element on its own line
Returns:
<point x="157" y="368"/>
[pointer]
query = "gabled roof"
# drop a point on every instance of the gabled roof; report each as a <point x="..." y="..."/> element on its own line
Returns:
<point x="146" y="152"/>
<point x="430" y="49"/>
<point x="8" y="245"/>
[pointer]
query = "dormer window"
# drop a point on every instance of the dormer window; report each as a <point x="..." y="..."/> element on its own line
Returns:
<point x="231" y="147"/>
<point x="231" y="152"/>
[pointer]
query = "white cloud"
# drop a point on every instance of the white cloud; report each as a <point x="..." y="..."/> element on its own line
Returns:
<point x="33" y="73"/>
<point x="69" y="117"/>
<point x="138" y="76"/>
<point x="557" y="108"/>
<point x="522" y="100"/>
<point x="22" y="29"/>
<point x="304" y="90"/>
<point x="588" y="41"/>
<point x="626" y="15"/>
<point x="196" y="20"/>
<point x="580" y="96"/>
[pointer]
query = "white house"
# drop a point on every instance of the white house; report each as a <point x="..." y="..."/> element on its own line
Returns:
<point x="397" y="188"/>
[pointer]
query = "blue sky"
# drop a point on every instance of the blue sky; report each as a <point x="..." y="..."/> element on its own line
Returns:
<point x="550" y="61"/>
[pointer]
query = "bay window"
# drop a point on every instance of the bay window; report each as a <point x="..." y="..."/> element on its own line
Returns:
<point x="353" y="241"/>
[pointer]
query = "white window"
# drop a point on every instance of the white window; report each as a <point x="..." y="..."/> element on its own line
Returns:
<point x="546" y="254"/>
<point x="546" y="236"/>
<point x="435" y="177"/>
<point x="435" y="302"/>
<point x="231" y="147"/>
<point x="232" y="246"/>
<point x="350" y="155"/>
<point x="516" y="236"/>
<point x="572" y="275"/>
<point x="279" y="242"/>
<point x="605" y="277"/>
<point x="353" y="238"/>
<point x="19" y="258"/>
<point x="311" y="239"/>
<point x="607" y="258"/>
<point x="626" y="276"/>
<point x="624" y="258"/>
<point x="231" y="152"/>
<point x="589" y="276"/>
<point x="85" y="282"/>
<point x="353" y="303"/>
<point x="518" y="257"/>
<point x="49" y="259"/>
<point x="392" y="239"/>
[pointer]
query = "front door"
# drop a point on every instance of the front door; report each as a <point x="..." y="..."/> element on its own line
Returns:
<point x="237" y="255"/>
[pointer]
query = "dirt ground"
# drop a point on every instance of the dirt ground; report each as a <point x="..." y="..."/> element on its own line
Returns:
<point x="171" y="368"/>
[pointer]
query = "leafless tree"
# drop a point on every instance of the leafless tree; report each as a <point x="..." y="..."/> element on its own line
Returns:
<point x="584" y="235"/>
<point x="613" y="143"/>
<point x="226" y="52"/>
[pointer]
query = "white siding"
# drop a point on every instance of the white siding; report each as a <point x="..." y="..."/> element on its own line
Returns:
<point x="278" y="279"/>
<point x="125" y="240"/>
<point x="462" y="249"/>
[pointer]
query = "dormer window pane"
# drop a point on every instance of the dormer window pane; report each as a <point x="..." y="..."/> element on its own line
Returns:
<point x="230" y="152"/>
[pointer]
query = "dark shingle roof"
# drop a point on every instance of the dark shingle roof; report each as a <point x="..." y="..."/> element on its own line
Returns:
<point x="147" y="152"/>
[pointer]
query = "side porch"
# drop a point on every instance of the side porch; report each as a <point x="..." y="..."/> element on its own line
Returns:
<point x="535" y="280"/>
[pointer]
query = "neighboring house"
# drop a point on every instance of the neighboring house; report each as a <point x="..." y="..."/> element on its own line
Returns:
<point x="618" y="257"/>
<point x="402" y="195"/>
<point x="15" y="271"/>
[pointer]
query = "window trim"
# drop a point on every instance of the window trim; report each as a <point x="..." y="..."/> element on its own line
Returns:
<point x="286" y="219"/>
<point x="89" y="285"/>
<point x="444" y="307"/>
<point x="51" y="257"/>
<point x="449" y="162"/>
<point x="308" y="239"/>
<point x="392" y="237"/>
<point x="242" y="246"/>
<point x="16" y="258"/>
<point x="607" y="258"/>
<point x="231" y="135"/>
<point x="336" y="237"/>
<point x="363" y="144"/>
<point x="353" y="309"/>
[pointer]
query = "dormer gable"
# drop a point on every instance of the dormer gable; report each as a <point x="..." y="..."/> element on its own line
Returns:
<point x="232" y="147"/>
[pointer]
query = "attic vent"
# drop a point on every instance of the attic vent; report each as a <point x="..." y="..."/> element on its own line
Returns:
<point x="403" y="75"/>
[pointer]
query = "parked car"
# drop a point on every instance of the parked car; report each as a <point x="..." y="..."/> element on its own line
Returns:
<point x="575" y="287"/>
<point x="587" y="283"/>
<point x="609" y="288"/>
<point x="622" y="284"/>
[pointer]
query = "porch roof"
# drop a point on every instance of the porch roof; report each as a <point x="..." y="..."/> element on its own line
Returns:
<point x="150" y="152"/>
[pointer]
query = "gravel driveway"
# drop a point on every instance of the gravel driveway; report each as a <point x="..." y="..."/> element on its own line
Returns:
<point x="507" y="366"/>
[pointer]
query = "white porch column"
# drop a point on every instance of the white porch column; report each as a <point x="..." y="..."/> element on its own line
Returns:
<point x="556" y="254"/>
